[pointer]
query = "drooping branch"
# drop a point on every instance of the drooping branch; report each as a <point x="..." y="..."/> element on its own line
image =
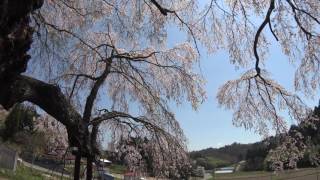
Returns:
<point x="258" y="33"/>
<point x="257" y="102"/>
<point x="296" y="18"/>
<point x="115" y="114"/>
<point x="297" y="10"/>
<point x="161" y="145"/>
<point x="165" y="11"/>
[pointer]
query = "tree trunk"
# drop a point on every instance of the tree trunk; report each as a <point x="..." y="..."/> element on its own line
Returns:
<point x="77" y="167"/>
<point x="89" y="167"/>
<point x="15" y="41"/>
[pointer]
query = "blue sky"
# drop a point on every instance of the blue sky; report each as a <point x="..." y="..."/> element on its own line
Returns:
<point x="211" y="125"/>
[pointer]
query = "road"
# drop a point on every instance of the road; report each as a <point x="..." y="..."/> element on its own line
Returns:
<point x="47" y="171"/>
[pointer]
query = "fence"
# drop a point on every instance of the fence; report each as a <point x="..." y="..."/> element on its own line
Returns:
<point x="8" y="158"/>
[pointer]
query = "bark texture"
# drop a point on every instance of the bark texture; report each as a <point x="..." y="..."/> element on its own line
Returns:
<point x="15" y="41"/>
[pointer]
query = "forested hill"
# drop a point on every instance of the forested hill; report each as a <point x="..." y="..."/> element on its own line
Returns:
<point x="255" y="154"/>
<point x="217" y="157"/>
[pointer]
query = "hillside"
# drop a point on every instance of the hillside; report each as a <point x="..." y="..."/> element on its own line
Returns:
<point x="212" y="158"/>
<point x="255" y="154"/>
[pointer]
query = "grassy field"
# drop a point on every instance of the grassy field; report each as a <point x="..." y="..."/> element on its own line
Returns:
<point x="217" y="162"/>
<point x="24" y="173"/>
<point x="301" y="174"/>
<point x="117" y="169"/>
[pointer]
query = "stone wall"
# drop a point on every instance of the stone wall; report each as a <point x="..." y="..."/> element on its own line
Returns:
<point x="8" y="158"/>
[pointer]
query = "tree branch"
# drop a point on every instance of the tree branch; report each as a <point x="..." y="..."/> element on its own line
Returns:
<point x="49" y="98"/>
<point x="256" y="39"/>
<point x="94" y="91"/>
<point x="163" y="10"/>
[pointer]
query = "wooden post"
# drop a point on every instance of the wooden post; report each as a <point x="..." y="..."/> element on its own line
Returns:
<point x="77" y="167"/>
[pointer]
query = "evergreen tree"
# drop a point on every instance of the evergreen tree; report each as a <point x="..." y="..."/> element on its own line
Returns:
<point x="21" y="118"/>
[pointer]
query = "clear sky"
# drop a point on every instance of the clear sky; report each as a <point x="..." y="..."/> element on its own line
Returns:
<point x="211" y="125"/>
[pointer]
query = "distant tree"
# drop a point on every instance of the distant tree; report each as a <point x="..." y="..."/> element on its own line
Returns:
<point x="22" y="132"/>
<point x="21" y="118"/>
<point x="204" y="162"/>
<point x="257" y="154"/>
<point x="30" y="145"/>
<point x="211" y="158"/>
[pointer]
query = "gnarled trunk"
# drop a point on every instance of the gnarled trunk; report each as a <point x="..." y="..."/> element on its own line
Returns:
<point x="15" y="41"/>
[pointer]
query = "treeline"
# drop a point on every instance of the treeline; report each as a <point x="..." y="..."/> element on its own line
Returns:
<point x="211" y="158"/>
<point x="255" y="155"/>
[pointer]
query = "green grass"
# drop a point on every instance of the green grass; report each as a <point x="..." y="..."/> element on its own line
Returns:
<point x="25" y="173"/>
<point x="217" y="162"/>
<point x="117" y="169"/>
<point x="241" y="173"/>
<point x="22" y="173"/>
<point x="305" y="174"/>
